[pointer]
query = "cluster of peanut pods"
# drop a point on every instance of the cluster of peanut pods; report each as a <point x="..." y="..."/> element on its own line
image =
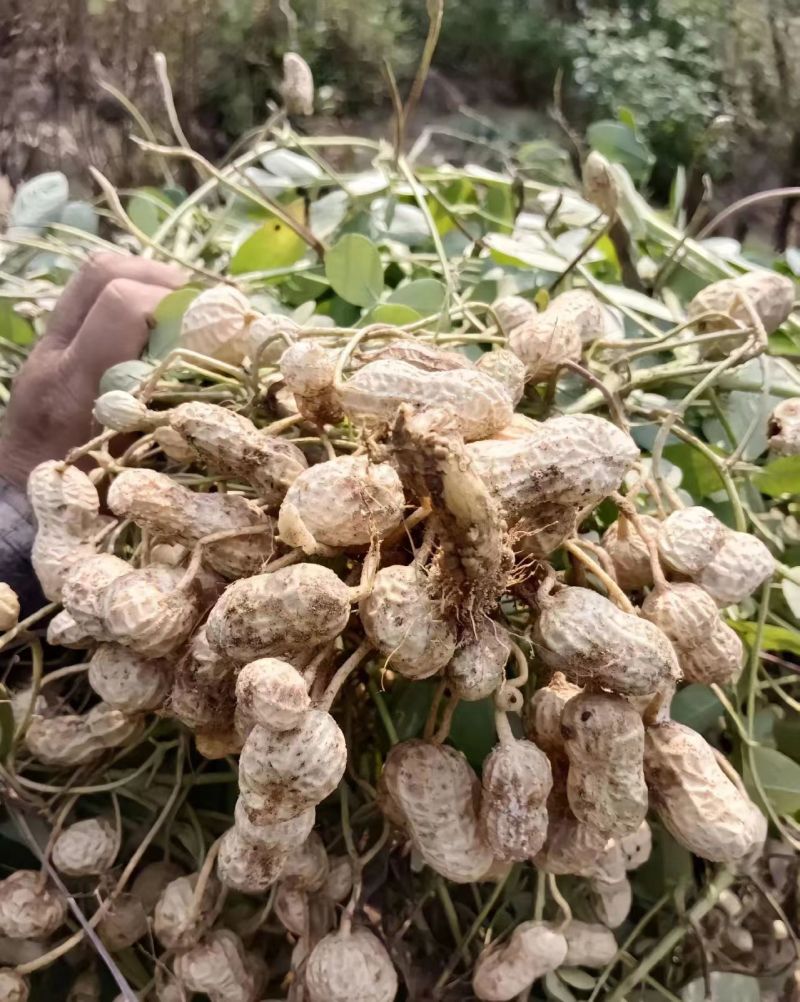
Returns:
<point x="383" y="504"/>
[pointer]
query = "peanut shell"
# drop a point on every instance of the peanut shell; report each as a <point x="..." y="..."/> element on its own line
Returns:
<point x="272" y="693"/>
<point x="126" y="681"/>
<point x="516" y="781"/>
<point x="85" y="848"/>
<point x="218" y="966"/>
<point x="589" y="944"/>
<point x="350" y="967"/>
<point x="215" y="324"/>
<point x="739" y="567"/>
<point x="476" y="669"/>
<point x="784" y="428"/>
<point x="248" y="868"/>
<point x="629" y="552"/>
<point x="177" y="924"/>
<point x="29" y="909"/>
<point x="507" y="969"/>
<point x="689" y="538"/>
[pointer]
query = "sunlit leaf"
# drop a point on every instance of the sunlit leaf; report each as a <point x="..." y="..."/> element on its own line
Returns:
<point x="148" y="208"/>
<point x="395" y="314"/>
<point x="272" y="245"/>
<point x="13" y="327"/>
<point x="507" y="250"/>
<point x="773" y="638"/>
<point x="426" y="295"/>
<point x="353" y="267"/>
<point x="780" y="778"/>
<point x="779" y="476"/>
<point x="168" y="315"/>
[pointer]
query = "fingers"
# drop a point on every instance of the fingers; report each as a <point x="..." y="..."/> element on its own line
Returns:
<point x="116" y="328"/>
<point x="88" y="284"/>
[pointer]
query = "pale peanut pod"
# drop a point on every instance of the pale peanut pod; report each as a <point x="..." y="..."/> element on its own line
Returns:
<point x="21" y="702"/>
<point x="218" y="966"/>
<point x="122" y="412"/>
<point x="215" y="324"/>
<point x="553" y="336"/>
<point x="579" y="309"/>
<point x="784" y="428"/>
<point x="65" y="493"/>
<point x="281" y="614"/>
<point x="604" y="741"/>
<point x="85" y="848"/>
<point x="575" y="460"/>
<point x="588" y="638"/>
<point x="427" y="357"/>
<point x="771" y="296"/>
<point x="588" y="944"/>
<point x="402" y="619"/>
<point x="507" y="368"/>
<point x="291" y="909"/>
<point x="127" y="681"/>
<point x="297" y="86"/>
<point x="21" y="951"/>
<point x="203" y="692"/>
<point x="339" y="881"/>
<point x="476" y="669"/>
<point x="695" y="800"/>
<point x="268" y="336"/>
<point x="283" y="773"/>
<point x="612" y="901"/>
<point x="308" y="369"/>
<point x="151" y="880"/>
<point x="250" y="869"/>
<point x="350" y="967"/>
<point x="9" y="606"/>
<point x="55" y="553"/>
<point x="171" y="554"/>
<point x="478" y="403"/>
<point x="436" y="793"/>
<point x="511" y="311"/>
<point x="543" y="528"/>
<point x="689" y="538"/>
<point x="177" y="924"/>
<point x="86" y="987"/>
<point x="720" y="660"/>
<point x="572" y="847"/>
<point x="629" y="553"/>
<point x="637" y="846"/>
<point x="274" y="834"/>
<point x="13" y="987"/>
<point x="28" y="908"/>
<point x="505" y="970"/>
<point x="739" y="567"/>
<point x="543" y="719"/>
<point x="74" y="740"/>
<point x="156" y="503"/>
<point x="306" y="868"/>
<point x="84" y="590"/>
<point x="174" y="445"/>
<point x="272" y="693"/>
<point x="517" y="780"/>
<point x="123" y="924"/>
<point x="347" y="501"/>
<point x="599" y="185"/>
<point x="64" y="631"/>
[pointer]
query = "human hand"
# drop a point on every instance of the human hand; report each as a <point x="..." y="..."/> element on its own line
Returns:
<point x="103" y="317"/>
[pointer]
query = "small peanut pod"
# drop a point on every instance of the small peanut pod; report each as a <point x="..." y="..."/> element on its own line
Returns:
<point x="637" y="846"/>
<point x="308" y="369"/>
<point x="604" y="741"/>
<point x="543" y="719"/>
<point x="404" y="622"/>
<point x="511" y="311"/>
<point x="426" y="357"/>
<point x="274" y="834"/>
<point x="784" y="428"/>
<point x="282" y="614"/>
<point x="347" y="501"/>
<point x="218" y="967"/>
<point x="339" y="881"/>
<point x="297" y="86"/>
<point x="215" y="324"/>
<point x="689" y="538"/>
<point x="589" y="639"/>
<point x="231" y="444"/>
<point x="177" y="922"/>
<point x="739" y="567"/>
<point x="202" y="693"/>
<point x="84" y="589"/>
<point x="292" y="909"/>
<point x="151" y="881"/>
<point x="127" y="681"/>
<point x="477" y="667"/>
<point x="123" y="924"/>
<point x="62" y="493"/>
<point x="248" y="868"/>
<point x="434" y="793"/>
<point x="479" y="404"/>
<point x="589" y="944"/>
<point x="272" y="693"/>
<point x="517" y="780"/>
<point x="74" y="740"/>
<point x="611" y="901"/>
<point x="697" y="803"/>
<point x="28" y="908"/>
<point x="9" y="607"/>
<point x="350" y="966"/>
<point x="503" y="971"/>
<point x="507" y="368"/>
<point x="599" y="184"/>
<point x="630" y="553"/>
<point x="122" y="412"/>
<point x="64" y="631"/>
<point x="770" y="295"/>
<point x="307" y="866"/>
<point x="85" y="848"/>
<point x="555" y="335"/>
<point x="156" y="503"/>
<point x="719" y="660"/>
<point x="13" y="987"/>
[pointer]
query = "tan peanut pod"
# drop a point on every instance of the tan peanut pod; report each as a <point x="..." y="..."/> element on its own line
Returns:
<point x="507" y="369"/>
<point x="123" y="923"/>
<point x="64" y="631"/>
<point x="21" y="701"/>
<point x="174" y="445"/>
<point x="543" y="528"/>
<point x="203" y="691"/>
<point x="217" y="966"/>
<point x="403" y="620"/>
<point x="505" y="970"/>
<point x="347" y="501"/>
<point x="339" y="881"/>
<point x="151" y="880"/>
<point x="84" y="590"/>
<point x="604" y="741"/>
<point x="511" y="311"/>
<point x="122" y="412"/>
<point x="478" y="404"/>
<point x="291" y="909"/>
<point x="543" y="719"/>
<point x="783" y="428"/>
<point x="572" y="847"/>
<point x="177" y="923"/>
<point x="588" y="638"/>
<point x="637" y="846"/>
<point x="274" y="834"/>
<point x="171" y="554"/>
<point x="127" y="681"/>
<point x="599" y="184"/>
<point x="156" y="503"/>
<point x="350" y="966"/>
<point x="54" y="554"/>
<point x="21" y="951"/>
<point x="297" y="86"/>
<point x="427" y="357"/>
<point x="13" y="987"/>
<point x="9" y="607"/>
<point x="28" y="908"/>
<point x="771" y="296"/>
<point x="268" y="337"/>
<point x="61" y="741"/>
<point x="85" y="848"/>
<point x="283" y="773"/>
<point x="62" y="492"/>
<point x="550" y="338"/>
<point x="436" y="793"/>
<point x="109" y="726"/>
<point x="215" y="742"/>
<point x="588" y="944"/>
<point x="575" y="460"/>
<point x="285" y="613"/>
<point x="86" y="987"/>
<point x="689" y="538"/>
<point x="307" y="866"/>
<point x="231" y="444"/>
<point x="695" y="800"/>
<point x="308" y="369"/>
<point x="739" y="567"/>
<point x="272" y="693"/>
<point x="248" y="868"/>
<point x="476" y="669"/>
<point x="150" y="611"/>
<point x="612" y="901"/>
<point x="578" y="309"/>
<point x="517" y="780"/>
<point x="630" y="553"/>
<point x="720" y="660"/>
<point x="215" y="324"/>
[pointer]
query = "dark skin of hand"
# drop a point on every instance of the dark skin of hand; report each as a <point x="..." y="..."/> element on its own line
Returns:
<point x="104" y="316"/>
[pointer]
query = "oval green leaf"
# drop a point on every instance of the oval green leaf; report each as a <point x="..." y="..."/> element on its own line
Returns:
<point x="697" y="707"/>
<point x="353" y="267"/>
<point x="168" y="315"/>
<point x="272" y="245"/>
<point x="425" y="295"/>
<point x="780" y="778"/>
<point x="13" y="327"/>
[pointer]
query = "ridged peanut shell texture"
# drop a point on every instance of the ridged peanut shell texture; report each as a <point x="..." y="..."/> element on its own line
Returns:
<point x="350" y="967"/>
<point x="215" y="324"/>
<point x="406" y="624"/>
<point x="308" y="370"/>
<point x="436" y="794"/>
<point x="287" y="612"/>
<point x="739" y="567"/>
<point x="588" y="638"/>
<point x="543" y="717"/>
<point x="85" y="848"/>
<point x="784" y="428"/>
<point x="477" y="667"/>
<point x="345" y="502"/>
<point x="771" y="296"/>
<point x="126" y="680"/>
<point x="516" y="780"/>
<point x="504" y="971"/>
<point x="177" y="924"/>
<point x="604" y="741"/>
<point x="689" y="538"/>
<point x="28" y="908"/>
<point x="276" y="834"/>
<point x="588" y="944"/>
<point x="272" y="693"/>
<point x="250" y="869"/>
<point x="695" y="800"/>
<point x="630" y="553"/>
<point x="550" y="338"/>
<point x="219" y="967"/>
<point x="9" y="606"/>
<point x="148" y="611"/>
<point x="507" y="369"/>
<point x="13" y="987"/>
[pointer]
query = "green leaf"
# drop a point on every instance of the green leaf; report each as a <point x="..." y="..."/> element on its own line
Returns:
<point x="395" y="314"/>
<point x="724" y="988"/>
<point x="148" y="208"/>
<point x="299" y="170"/>
<point x="620" y="143"/>
<point x="168" y="315"/>
<point x="576" y="978"/>
<point x="425" y="295"/>
<point x="697" y="707"/>
<point x="700" y="477"/>
<point x="353" y="267"/>
<point x="507" y="250"/>
<point x="272" y="245"/>
<point x="13" y="327"/>
<point x="780" y="476"/>
<point x="81" y="216"/>
<point x="773" y="638"/>
<point x="787" y="736"/>
<point x="39" y="202"/>
<point x="6" y="723"/>
<point x="127" y="376"/>
<point x="556" y="989"/>
<point x="780" y="777"/>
